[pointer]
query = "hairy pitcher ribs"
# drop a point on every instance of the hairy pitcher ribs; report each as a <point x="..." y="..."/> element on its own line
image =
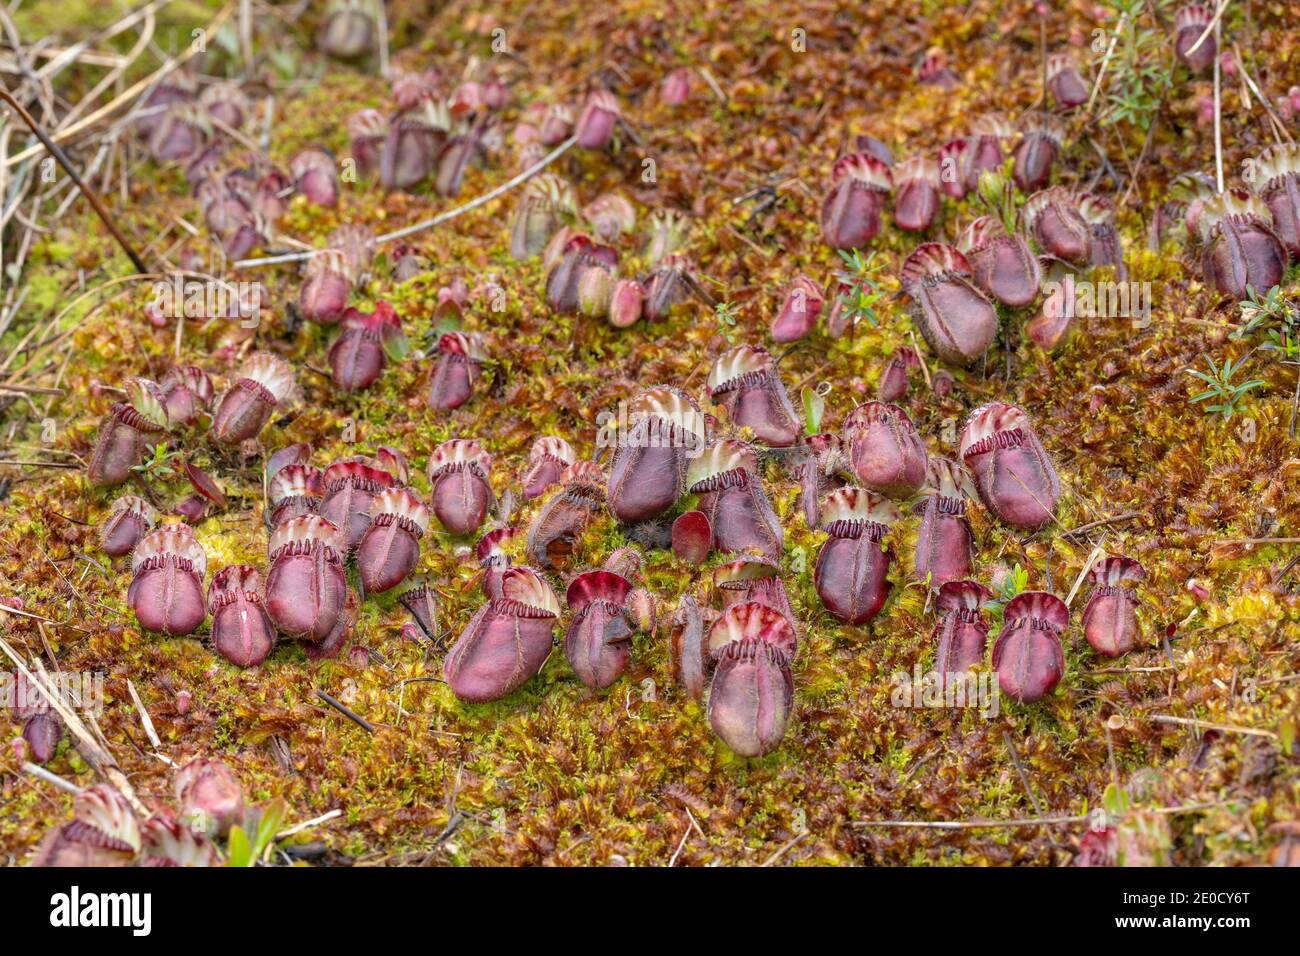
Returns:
<point x="752" y="691"/>
<point x="1012" y="472"/>
<point x="852" y="571"/>
<point x="955" y="317"/>
<point x="648" y="476"/>
<point x="745" y="382"/>
<point x="166" y="591"/>
<point x="506" y="643"/>
<point x="727" y="479"/>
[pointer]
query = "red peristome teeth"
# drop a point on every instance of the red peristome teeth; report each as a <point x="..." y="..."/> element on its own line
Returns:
<point x="390" y="548"/>
<point x="242" y="631"/>
<point x="885" y="450"/>
<point x="1012" y="472"/>
<point x="1109" y="618"/>
<point x="306" y="589"/>
<point x="1028" y="656"/>
<point x="598" y="640"/>
<point x="166" y="591"/>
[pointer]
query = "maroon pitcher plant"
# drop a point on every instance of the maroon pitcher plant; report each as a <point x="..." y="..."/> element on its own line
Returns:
<point x="851" y="574"/>
<point x="1065" y="82"/>
<point x="753" y="579"/>
<point x="580" y="253"/>
<point x="566" y="514"/>
<point x="851" y="210"/>
<point x="262" y="383"/>
<point x="506" y="643"/>
<point x="362" y="350"/>
<point x="1002" y="265"/>
<point x="917" y="200"/>
<point x="961" y="635"/>
<point x="821" y="468"/>
<point x="125" y="432"/>
<point x="242" y="631"/>
<point x="187" y="394"/>
<point x="166" y="591"/>
<point x="752" y="692"/>
<point x="945" y="545"/>
<point x="1109" y="618"/>
<point x="306" y="588"/>
<point x="1277" y="183"/>
<point x="665" y="428"/>
<point x="390" y="548"/>
<point x="1028" y="656"/>
<point x="884" y="449"/>
<point x="1053" y="218"/>
<point x="598" y="641"/>
<point x="350" y="486"/>
<point x="745" y="382"/>
<point x="295" y="490"/>
<point x="1191" y="24"/>
<point x="1040" y="144"/>
<point x="727" y="479"/>
<point x="547" y="460"/>
<point x="460" y="360"/>
<point x="459" y="473"/>
<point x="955" y="317"/>
<point x="129" y="520"/>
<point x="1240" y="250"/>
<point x="1012" y="472"/>
<point x="494" y="558"/>
<point x="799" y="310"/>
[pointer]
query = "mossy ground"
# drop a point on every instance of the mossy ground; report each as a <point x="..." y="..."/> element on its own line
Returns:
<point x="558" y="774"/>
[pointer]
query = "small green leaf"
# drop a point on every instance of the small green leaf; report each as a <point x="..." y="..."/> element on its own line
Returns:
<point x="238" y="851"/>
<point x="1115" y="801"/>
<point x="814" y="406"/>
